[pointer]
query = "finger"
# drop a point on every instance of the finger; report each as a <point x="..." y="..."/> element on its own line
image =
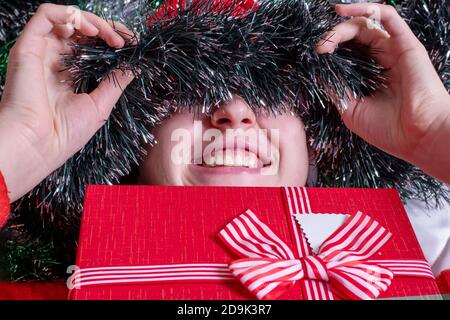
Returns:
<point x="108" y="92"/>
<point x="32" y="41"/>
<point x="360" y="29"/>
<point x="328" y="43"/>
<point x="48" y="15"/>
<point x="85" y="113"/>
<point x="106" y="32"/>
<point x="63" y="31"/>
<point x="129" y="36"/>
<point x="387" y="15"/>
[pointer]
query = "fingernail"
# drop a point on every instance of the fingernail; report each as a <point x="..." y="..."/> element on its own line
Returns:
<point x="338" y="7"/>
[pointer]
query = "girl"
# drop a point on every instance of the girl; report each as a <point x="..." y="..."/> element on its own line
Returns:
<point x="43" y="123"/>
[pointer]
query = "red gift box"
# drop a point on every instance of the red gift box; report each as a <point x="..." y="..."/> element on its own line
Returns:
<point x="134" y="226"/>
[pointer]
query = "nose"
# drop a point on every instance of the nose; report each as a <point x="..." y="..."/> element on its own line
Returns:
<point x="233" y="114"/>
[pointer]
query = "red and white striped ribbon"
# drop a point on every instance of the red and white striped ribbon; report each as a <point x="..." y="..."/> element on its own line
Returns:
<point x="268" y="268"/>
<point x="406" y="268"/>
<point x="150" y="274"/>
<point x="298" y="203"/>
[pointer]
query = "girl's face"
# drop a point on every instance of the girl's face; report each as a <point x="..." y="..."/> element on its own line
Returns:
<point x="232" y="147"/>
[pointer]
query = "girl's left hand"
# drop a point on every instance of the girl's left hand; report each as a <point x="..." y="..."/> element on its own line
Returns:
<point x="42" y="122"/>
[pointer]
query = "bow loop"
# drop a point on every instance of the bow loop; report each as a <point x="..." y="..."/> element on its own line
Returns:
<point x="251" y="238"/>
<point x="358" y="238"/>
<point x="261" y="276"/>
<point x="361" y="281"/>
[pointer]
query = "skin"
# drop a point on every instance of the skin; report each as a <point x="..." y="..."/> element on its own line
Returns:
<point x="42" y="123"/>
<point x="288" y="157"/>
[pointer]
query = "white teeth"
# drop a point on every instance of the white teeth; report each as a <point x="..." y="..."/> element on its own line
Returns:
<point x="252" y="161"/>
<point x="228" y="160"/>
<point x="219" y="159"/>
<point x="210" y="161"/>
<point x="238" y="158"/>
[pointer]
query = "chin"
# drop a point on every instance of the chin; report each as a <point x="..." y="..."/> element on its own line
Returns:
<point x="231" y="180"/>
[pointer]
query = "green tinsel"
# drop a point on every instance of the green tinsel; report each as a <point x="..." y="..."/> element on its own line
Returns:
<point x="4" y="53"/>
<point x="29" y="259"/>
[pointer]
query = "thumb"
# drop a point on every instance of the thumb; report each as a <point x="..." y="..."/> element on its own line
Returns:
<point x="89" y="112"/>
<point x="108" y="92"/>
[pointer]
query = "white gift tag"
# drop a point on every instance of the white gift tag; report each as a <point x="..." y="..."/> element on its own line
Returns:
<point x="319" y="226"/>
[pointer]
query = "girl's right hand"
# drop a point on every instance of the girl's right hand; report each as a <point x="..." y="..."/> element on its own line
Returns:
<point x="410" y="118"/>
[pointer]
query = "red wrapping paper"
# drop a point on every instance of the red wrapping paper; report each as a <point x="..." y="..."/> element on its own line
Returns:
<point x="33" y="290"/>
<point x="147" y="225"/>
<point x="4" y="201"/>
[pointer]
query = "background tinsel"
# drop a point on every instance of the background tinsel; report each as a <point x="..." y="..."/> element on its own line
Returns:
<point x="247" y="56"/>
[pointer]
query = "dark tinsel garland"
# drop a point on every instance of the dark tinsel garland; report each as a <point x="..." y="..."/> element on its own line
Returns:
<point x="199" y="57"/>
<point x="430" y="22"/>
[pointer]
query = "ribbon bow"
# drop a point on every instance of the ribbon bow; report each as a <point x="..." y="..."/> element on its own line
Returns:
<point x="270" y="268"/>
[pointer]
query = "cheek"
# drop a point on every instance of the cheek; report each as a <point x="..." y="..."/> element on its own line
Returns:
<point x="294" y="158"/>
<point x="158" y="167"/>
<point x="150" y="170"/>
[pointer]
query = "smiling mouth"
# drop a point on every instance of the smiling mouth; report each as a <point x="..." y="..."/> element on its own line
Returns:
<point x="237" y="158"/>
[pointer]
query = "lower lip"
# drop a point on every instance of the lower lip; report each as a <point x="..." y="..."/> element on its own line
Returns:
<point x="224" y="170"/>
